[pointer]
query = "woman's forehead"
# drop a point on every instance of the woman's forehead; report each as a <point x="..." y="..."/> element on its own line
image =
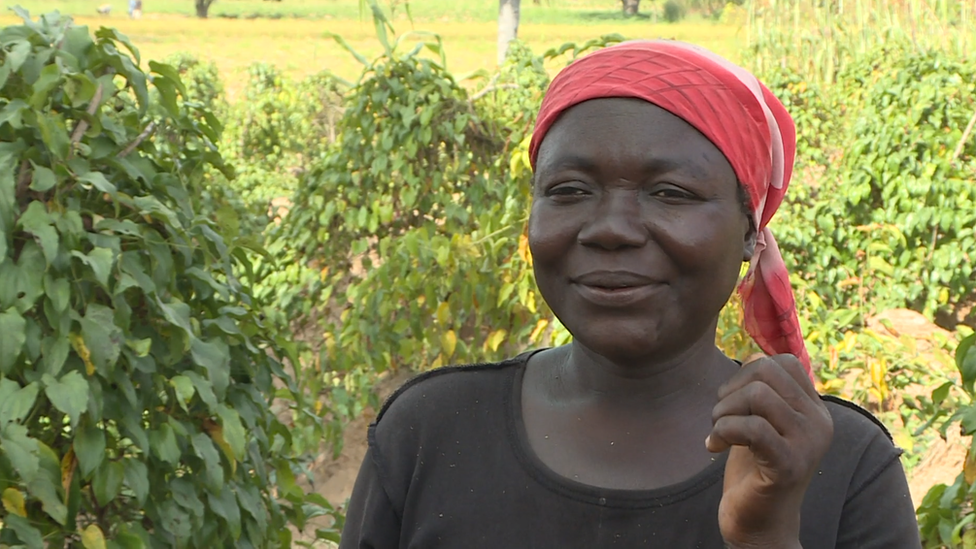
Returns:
<point x="619" y="129"/>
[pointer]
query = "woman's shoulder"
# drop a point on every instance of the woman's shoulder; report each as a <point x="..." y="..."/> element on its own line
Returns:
<point x="429" y="394"/>
<point x="862" y="447"/>
<point x="855" y="425"/>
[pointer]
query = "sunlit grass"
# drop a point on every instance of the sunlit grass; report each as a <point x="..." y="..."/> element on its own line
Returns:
<point x="299" y="46"/>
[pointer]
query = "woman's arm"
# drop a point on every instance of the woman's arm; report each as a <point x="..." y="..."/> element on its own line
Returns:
<point x="879" y="512"/>
<point x="371" y="521"/>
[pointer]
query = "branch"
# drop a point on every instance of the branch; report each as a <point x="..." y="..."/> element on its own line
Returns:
<point x="82" y="126"/>
<point x="490" y="89"/>
<point x="142" y="137"/>
<point x="23" y="179"/>
<point x="965" y="137"/>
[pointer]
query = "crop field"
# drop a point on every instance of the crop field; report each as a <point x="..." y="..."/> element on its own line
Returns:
<point x="292" y="35"/>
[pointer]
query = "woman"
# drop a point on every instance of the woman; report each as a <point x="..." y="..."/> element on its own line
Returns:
<point x="657" y="168"/>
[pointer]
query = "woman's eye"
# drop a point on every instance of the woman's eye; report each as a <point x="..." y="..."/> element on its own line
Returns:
<point x="566" y="190"/>
<point x="673" y="193"/>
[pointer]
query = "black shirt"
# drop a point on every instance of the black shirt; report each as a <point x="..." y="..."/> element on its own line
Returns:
<point x="449" y="466"/>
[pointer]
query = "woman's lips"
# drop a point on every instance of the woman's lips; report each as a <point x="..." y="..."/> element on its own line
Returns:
<point x="617" y="297"/>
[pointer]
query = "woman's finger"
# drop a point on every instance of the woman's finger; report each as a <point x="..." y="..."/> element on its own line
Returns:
<point x="777" y="373"/>
<point x="754" y="432"/>
<point x="758" y="398"/>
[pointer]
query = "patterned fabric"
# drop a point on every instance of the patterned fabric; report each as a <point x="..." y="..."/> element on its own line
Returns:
<point x="737" y="113"/>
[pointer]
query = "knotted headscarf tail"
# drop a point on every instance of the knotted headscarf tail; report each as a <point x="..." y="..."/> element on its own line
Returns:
<point x="730" y="107"/>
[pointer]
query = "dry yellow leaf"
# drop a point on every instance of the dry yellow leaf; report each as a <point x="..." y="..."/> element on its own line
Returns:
<point x="449" y="343"/>
<point x="92" y="537"/>
<point x="68" y="465"/>
<point x="78" y="343"/>
<point x="495" y="339"/>
<point x="969" y="467"/>
<point x="13" y="502"/>
<point x="216" y="433"/>
<point x="539" y="328"/>
<point x="443" y="313"/>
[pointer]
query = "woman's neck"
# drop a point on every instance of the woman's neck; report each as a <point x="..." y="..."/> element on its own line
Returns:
<point x="655" y="386"/>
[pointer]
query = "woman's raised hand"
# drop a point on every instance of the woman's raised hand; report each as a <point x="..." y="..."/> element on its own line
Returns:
<point x="777" y="429"/>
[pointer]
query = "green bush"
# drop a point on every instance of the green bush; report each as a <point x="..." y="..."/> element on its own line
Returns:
<point x="673" y="11"/>
<point x="135" y="371"/>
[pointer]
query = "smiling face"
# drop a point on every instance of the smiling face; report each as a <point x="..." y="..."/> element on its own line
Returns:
<point x="637" y="231"/>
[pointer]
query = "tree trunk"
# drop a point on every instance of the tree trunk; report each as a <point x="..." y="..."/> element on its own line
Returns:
<point x="508" y="20"/>
<point x="630" y="7"/>
<point x="203" y="8"/>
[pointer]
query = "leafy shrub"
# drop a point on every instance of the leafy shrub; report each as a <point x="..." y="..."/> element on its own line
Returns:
<point x="673" y="11"/>
<point x="135" y="371"/>
<point x="946" y="515"/>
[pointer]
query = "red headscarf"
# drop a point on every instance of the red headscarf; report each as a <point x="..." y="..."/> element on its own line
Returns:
<point x="737" y="113"/>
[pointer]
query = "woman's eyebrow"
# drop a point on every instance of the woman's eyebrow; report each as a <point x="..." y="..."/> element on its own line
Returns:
<point x="571" y="162"/>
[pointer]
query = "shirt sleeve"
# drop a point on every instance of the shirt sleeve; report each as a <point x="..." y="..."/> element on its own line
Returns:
<point x="371" y="520"/>
<point x="878" y="512"/>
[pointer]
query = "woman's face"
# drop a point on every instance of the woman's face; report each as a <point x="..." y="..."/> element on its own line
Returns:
<point x="637" y="230"/>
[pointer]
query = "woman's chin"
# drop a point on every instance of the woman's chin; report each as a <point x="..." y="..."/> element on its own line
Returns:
<point x="620" y="345"/>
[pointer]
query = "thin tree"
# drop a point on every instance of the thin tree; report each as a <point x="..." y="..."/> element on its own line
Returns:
<point x="203" y="8"/>
<point x="508" y="21"/>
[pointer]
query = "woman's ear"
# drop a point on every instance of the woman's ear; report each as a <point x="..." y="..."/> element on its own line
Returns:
<point x="749" y="241"/>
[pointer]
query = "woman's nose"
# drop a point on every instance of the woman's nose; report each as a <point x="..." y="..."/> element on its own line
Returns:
<point x="615" y="222"/>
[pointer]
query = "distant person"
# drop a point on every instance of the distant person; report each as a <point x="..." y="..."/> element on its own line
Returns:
<point x="657" y="166"/>
<point x="135" y="9"/>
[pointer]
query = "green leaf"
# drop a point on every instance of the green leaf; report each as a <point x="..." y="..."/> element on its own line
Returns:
<point x="107" y="481"/>
<point x="204" y="389"/>
<point x="48" y="80"/>
<point x="13" y="113"/>
<point x="89" y="445"/>
<point x="134" y="429"/>
<point x="137" y="478"/>
<point x="69" y="394"/>
<point x="214" y="356"/>
<point x="167" y="95"/>
<point x="106" y="33"/>
<point x="965" y="361"/>
<point x="163" y="444"/>
<point x="168" y="72"/>
<point x="44" y="489"/>
<point x="16" y="401"/>
<point x="185" y="495"/>
<point x="177" y="313"/>
<point x="234" y="432"/>
<point x="102" y="337"/>
<point x="346" y="46"/>
<point x="98" y="180"/>
<point x="17" y="54"/>
<point x="21" y="450"/>
<point x="53" y="133"/>
<point x="13" y="334"/>
<point x="286" y="480"/>
<point x="100" y="260"/>
<point x="43" y="179"/>
<point x="38" y="222"/>
<point x="55" y="354"/>
<point x="225" y="505"/>
<point x="204" y="447"/>
<point x="28" y="535"/>
<point x="140" y="347"/>
<point x="58" y="290"/>
<point x="184" y="389"/>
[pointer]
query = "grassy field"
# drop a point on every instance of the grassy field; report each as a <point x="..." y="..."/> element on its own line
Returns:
<point x="291" y="33"/>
